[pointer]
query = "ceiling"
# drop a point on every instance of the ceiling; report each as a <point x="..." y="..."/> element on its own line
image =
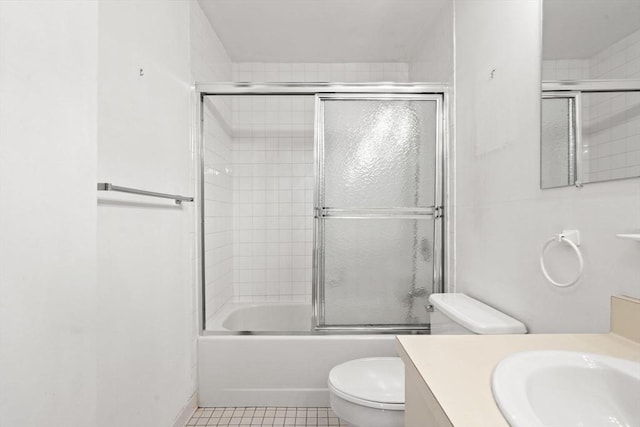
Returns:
<point x="321" y="30"/>
<point x="574" y="29"/>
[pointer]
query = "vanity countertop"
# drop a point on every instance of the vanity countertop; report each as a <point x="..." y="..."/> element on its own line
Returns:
<point x="457" y="368"/>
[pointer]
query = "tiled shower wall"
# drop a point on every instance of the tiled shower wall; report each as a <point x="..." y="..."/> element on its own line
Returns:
<point x="273" y="177"/>
<point x="614" y="118"/>
<point x="611" y="120"/>
<point x="273" y="197"/>
<point x="218" y="190"/>
<point x="209" y="63"/>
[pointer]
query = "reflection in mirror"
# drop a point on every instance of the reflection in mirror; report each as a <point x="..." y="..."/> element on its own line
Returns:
<point x="557" y="148"/>
<point x="591" y="91"/>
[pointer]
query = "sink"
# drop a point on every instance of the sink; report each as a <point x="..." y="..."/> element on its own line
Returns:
<point x="567" y="389"/>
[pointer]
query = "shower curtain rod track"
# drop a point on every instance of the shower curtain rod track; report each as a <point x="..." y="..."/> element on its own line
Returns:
<point x="311" y="88"/>
<point x="591" y="86"/>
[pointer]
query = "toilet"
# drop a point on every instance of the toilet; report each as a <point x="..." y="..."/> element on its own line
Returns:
<point x="370" y="392"/>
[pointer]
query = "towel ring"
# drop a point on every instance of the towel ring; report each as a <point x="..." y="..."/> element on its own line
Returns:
<point x="561" y="238"/>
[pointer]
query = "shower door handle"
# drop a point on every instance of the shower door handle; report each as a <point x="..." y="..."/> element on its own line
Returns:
<point x="380" y="213"/>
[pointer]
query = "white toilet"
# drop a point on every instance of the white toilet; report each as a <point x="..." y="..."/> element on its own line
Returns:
<point x="370" y="392"/>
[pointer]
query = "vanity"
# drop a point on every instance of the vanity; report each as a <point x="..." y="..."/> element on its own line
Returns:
<point x="448" y="377"/>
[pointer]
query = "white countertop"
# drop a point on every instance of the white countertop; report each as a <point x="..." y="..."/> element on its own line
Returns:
<point x="457" y="368"/>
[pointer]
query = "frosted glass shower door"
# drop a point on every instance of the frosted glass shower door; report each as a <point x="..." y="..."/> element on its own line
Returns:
<point x="378" y="241"/>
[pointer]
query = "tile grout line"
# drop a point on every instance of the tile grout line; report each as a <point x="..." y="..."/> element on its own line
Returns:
<point x="265" y="416"/>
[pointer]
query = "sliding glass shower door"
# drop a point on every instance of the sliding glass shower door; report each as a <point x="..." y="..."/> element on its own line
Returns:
<point x="377" y="222"/>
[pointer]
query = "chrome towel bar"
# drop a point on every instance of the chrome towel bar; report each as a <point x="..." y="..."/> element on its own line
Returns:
<point x="106" y="186"/>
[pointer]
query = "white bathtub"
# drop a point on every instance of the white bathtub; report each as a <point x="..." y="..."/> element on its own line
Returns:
<point x="277" y="317"/>
<point x="274" y="370"/>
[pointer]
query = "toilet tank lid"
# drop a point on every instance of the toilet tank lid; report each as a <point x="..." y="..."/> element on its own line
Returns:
<point x="477" y="317"/>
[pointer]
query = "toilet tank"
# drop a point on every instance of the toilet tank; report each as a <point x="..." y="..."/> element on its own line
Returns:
<point x="457" y="314"/>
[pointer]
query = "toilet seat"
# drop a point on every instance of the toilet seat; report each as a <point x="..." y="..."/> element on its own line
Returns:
<point x="374" y="382"/>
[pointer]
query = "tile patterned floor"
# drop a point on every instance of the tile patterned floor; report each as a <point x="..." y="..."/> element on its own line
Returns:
<point x="265" y="416"/>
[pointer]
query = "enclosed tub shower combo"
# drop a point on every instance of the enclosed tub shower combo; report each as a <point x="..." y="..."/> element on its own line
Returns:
<point x="322" y="229"/>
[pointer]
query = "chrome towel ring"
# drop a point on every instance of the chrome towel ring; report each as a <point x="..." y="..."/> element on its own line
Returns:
<point x="572" y="238"/>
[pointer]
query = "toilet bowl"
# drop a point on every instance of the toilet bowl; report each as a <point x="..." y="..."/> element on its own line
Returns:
<point x="370" y="392"/>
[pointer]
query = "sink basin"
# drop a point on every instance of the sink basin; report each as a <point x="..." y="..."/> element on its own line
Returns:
<point x="566" y="389"/>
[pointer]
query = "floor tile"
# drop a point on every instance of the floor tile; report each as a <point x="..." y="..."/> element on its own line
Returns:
<point x="265" y="416"/>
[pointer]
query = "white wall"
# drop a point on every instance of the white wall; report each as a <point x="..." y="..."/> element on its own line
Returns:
<point x="48" y="93"/>
<point x="503" y="218"/>
<point x="209" y="59"/>
<point x="432" y="60"/>
<point x="146" y="311"/>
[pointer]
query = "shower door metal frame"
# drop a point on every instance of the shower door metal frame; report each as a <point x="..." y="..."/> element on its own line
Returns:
<point x="575" y="171"/>
<point x="202" y="90"/>
<point x="322" y="213"/>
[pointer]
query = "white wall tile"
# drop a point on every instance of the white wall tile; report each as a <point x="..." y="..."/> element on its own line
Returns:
<point x="272" y="153"/>
<point x="270" y="195"/>
<point x="210" y="62"/>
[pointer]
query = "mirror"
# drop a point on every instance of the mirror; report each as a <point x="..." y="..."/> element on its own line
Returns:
<point x="590" y="118"/>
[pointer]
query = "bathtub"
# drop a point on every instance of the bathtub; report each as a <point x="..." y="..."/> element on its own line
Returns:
<point x="263" y="317"/>
<point x="274" y="370"/>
